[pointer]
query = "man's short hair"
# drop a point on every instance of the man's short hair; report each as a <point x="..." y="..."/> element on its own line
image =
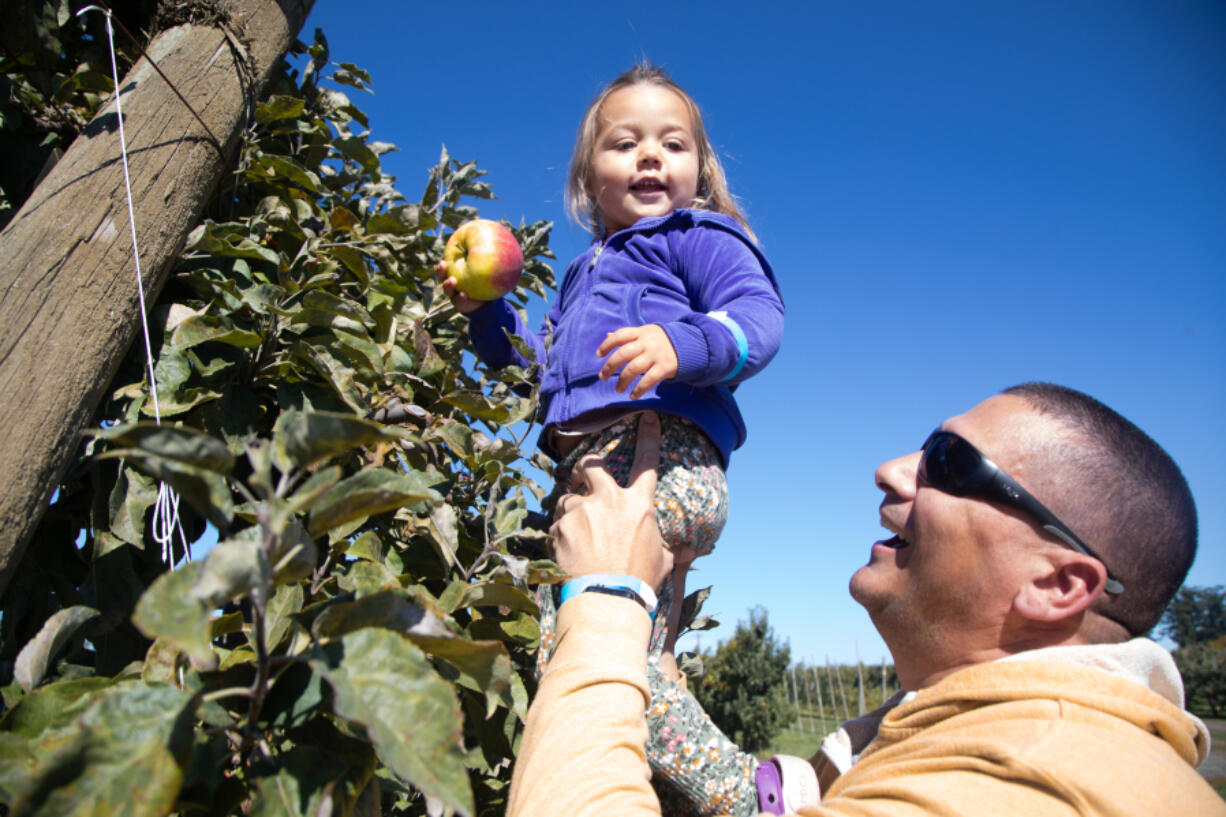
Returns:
<point x="1125" y="497"/>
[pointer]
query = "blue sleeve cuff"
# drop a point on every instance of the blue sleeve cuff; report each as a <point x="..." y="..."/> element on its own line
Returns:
<point x="742" y="343"/>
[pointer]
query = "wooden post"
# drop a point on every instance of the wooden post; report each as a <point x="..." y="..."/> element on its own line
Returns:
<point x="809" y="702"/>
<point x="800" y="719"/>
<point x="860" y="680"/>
<point x="821" y="710"/>
<point x="68" y="298"/>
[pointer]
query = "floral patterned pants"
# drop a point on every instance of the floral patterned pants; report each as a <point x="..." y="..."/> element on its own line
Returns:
<point x="696" y="768"/>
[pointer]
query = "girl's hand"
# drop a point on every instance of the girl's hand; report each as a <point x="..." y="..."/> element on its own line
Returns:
<point x="459" y="300"/>
<point x="640" y="350"/>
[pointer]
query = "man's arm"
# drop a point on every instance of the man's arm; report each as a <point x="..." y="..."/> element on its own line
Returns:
<point x="583" y="747"/>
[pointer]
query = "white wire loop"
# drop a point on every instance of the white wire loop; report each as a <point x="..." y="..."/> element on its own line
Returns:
<point x="166" y="509"/>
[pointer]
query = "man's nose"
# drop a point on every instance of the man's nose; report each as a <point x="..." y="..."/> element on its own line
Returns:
<point x="898" y="476"/>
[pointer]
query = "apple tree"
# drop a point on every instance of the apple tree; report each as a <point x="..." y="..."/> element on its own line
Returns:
<point x="359" y="639"/>
<point x="742" y="688"/>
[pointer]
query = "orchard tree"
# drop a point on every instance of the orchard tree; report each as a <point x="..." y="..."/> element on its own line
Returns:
<point x="359" y="640"/>
<point x="743" y="689"/>
<point x="1196" y="615"/>
<point x="1196" y="621"/>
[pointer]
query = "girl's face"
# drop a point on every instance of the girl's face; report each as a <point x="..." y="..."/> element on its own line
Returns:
<point x="645" y="159"/>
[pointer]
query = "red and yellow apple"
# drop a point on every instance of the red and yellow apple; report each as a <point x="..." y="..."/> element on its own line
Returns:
<point x="484" y="258"/>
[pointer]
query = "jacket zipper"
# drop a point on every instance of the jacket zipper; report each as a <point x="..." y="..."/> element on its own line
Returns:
<point x="587" y="285"/>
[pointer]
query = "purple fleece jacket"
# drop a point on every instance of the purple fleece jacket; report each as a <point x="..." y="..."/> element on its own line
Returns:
<point x="696" y="274"/>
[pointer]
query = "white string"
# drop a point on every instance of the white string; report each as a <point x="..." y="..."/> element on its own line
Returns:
<point x="166" y="508"/>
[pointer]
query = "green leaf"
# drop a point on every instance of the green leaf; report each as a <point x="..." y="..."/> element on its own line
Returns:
<point x="198" y="329"/>
<point x="56" y="633"/>
<point x="429" y="363"/>
<point x="400" y="220"/>
<point x="363" y="352"/>
<point x="272" y="167"/>
<point x="170" y="611"/>
<point x="313" y="780"/>
<point x="205" y="239"/>
<point x="131" y="498"/>
<point x="691" y="606"/>
<point x="364" y="578"/>
<point x="205" y="490"/>
<point x="128" y="758"/>
<point x="176" y="443"/>
<point x="457" y="436"/>
<point x="483" y="666"/>
<point x="302" y="439"/>
<point x="233" y="568"/>
<point x="389" y="609"/>
<point x="355" y="148"/>
<point x="496" y="594"/>
<point x="53" y="707"/>
<point x="477" y="405"/>
<point x="337" y="374"/>
<point x="17" y="761"/>
<point x="509" y="514"/>
<point x="385" y="683"/>
<point x="359" y="73"/>
<point x="285" y="603"/>
<point x="294" y="554"/>
<point x="161" y="663"/>
<point x="445" y="534"/>
<point x="279" y="107"/>
<point x="370" y="492"/>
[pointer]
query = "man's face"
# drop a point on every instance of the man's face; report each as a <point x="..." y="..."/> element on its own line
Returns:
<point x="940" y="590"/>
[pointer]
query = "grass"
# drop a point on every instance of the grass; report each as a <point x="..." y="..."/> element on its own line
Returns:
<point x="1217" y="752"/>
<point x="801" y="738"/>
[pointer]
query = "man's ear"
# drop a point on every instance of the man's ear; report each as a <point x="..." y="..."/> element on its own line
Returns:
<point x="1067" y="585"/>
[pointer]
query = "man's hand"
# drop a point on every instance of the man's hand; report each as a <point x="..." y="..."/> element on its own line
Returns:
<point x="640" y="350"/>
<point x="459" y="300"/>
<point x="613" y="529"/>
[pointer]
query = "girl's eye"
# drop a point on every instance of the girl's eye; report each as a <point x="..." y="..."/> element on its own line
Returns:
<point x="675" y="146"/>
<point x="624" y="144"/>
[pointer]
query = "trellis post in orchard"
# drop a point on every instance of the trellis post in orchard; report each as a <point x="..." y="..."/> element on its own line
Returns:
<point x="68" y="297"/>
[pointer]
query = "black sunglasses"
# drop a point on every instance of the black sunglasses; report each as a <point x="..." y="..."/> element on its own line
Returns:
<point x="951" y="464"/>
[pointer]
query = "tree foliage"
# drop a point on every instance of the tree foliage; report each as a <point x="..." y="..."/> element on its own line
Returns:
<point x="1196" y="621"/>
<point x="359" y="640"/>
<point x="1196" y="615"/>
<point x="54" y="73"/>
<point x="1203" y="667"/>
<point x="743" y="688"/>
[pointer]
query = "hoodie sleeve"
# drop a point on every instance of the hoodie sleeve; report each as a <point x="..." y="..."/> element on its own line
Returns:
<point x="737" y="323"/>
<point x="486" y="327"/>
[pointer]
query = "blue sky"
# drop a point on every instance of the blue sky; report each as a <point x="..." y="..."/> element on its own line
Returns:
<point x="957" y="197"/>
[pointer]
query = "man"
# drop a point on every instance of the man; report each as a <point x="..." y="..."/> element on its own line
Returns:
<point x="1036" y="539"/>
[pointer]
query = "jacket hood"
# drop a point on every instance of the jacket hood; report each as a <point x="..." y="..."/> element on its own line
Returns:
<point x="1136" y="681"/>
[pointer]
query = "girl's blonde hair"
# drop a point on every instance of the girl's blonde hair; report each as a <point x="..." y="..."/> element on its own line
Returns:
<point x="712" y="186"/>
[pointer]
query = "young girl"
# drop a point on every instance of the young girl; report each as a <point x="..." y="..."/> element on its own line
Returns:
<point x="668" y="310"/>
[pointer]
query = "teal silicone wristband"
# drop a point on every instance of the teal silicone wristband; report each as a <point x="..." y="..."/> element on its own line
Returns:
<point x="613" y="584"/>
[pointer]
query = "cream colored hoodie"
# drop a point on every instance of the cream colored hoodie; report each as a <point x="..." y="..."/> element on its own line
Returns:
<point x="1090" y="731"/>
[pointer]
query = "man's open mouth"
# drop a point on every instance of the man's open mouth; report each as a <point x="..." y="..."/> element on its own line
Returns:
<point x="895" y="542"/>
